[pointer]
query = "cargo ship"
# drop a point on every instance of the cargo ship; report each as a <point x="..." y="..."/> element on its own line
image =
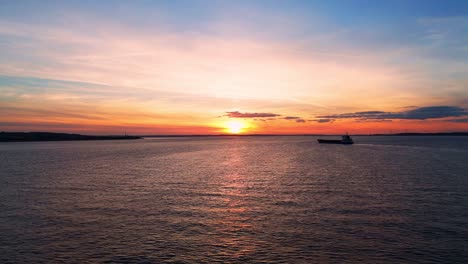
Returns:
<point x="346" y="140"/>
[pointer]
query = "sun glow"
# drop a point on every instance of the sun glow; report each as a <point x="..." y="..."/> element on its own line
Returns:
<point x="235" y="126"/>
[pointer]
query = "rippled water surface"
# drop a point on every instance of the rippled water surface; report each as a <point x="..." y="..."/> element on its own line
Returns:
<point x="235" y="200"/>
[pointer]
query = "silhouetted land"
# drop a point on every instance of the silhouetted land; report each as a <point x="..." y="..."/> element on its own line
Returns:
<point x="47" y="136"/>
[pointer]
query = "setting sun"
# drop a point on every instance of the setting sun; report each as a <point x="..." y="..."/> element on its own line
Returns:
<point x="235" y="126"/>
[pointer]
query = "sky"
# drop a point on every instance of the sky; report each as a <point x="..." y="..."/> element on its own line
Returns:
<point x="216" y="67"/>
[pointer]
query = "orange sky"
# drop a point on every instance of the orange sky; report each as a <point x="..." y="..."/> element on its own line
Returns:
<point x="278" y="71"/>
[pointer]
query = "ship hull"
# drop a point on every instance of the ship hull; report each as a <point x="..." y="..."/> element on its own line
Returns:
<point x="334" y="141"/>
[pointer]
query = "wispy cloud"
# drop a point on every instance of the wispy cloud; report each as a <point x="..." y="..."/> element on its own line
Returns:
<point x="459" y="120"/>
<point x="291" y="117"/>
<point x="264" y="116"/>
<point x="295" y="118"/>
<point x="237" y="114"/>
<point x="421" y="113"/>
<point x="240" y="67"/>
<point x="323" y="120"/>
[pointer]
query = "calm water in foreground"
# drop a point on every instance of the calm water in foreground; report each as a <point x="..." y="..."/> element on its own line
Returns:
<point x="235" y="200"/>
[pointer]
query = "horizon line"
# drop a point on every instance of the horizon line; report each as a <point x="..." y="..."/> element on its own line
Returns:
<point x="244" y="135"/>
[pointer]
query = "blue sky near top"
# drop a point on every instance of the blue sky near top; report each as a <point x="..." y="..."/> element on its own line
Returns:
<point x="195" y="15"/>
<point x="361" y="24"/>
<point x="199" y="15"/>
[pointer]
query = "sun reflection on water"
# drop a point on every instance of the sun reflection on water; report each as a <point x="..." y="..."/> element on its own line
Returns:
<point x="234" y="219"/>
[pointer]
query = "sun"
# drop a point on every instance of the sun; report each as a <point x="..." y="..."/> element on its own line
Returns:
<point x="235" y="126"/>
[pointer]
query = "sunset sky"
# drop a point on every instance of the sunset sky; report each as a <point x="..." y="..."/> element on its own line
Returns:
<point x="210" y="67"/>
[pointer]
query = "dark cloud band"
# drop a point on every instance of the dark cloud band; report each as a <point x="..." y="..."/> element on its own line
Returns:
<point x="420" y="113"/>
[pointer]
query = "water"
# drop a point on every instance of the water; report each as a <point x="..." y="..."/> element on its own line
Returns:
<point x="235" y="200"/>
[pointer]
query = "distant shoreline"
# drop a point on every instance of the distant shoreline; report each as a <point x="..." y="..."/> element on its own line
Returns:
<point x="50" y="136"/>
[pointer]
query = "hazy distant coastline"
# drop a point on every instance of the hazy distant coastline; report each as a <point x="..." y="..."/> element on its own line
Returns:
<point x="48" y="136"/>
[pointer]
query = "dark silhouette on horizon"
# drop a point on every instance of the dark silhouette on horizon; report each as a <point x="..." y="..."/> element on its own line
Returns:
<point x="345" y="140"/>
<point x="49" y="136"/>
